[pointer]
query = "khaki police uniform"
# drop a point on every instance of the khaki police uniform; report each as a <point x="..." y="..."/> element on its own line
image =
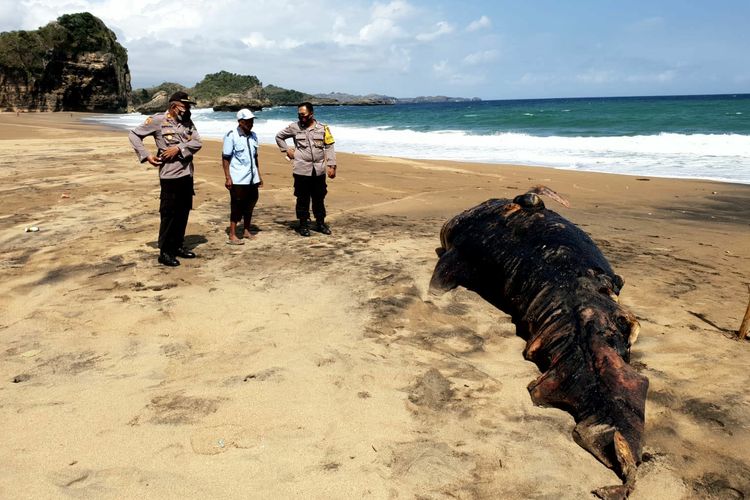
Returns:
<point x="175" y="176"/>
<point x="314" y="151"/>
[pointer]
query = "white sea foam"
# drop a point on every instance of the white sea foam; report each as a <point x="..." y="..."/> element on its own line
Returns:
<point x="723" y="157"/>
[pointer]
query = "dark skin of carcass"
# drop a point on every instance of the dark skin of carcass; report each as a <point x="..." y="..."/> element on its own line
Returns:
<point x="561" y="293"/>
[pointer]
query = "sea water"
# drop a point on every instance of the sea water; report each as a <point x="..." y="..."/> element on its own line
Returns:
<point x="705" y="137"/>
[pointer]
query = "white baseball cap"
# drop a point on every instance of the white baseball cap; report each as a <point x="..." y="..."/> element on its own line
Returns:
<point x="245" y="114"/>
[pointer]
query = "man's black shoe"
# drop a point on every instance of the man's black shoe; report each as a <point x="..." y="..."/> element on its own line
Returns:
<point x="304" y="231"/>
<point x="185" y="253"/>
<point x="322" y="227"/>
<point x="168" y="260"/>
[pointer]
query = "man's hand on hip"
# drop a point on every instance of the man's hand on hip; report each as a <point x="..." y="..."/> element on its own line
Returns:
<point x="153" y="160"/>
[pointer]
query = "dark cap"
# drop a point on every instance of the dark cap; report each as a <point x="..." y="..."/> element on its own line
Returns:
<point x="181" y="96"/>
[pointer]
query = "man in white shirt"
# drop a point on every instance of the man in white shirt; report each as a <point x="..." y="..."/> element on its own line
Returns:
<point x="242" y="172"/>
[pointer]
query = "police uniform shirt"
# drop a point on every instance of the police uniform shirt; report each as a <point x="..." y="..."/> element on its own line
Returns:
<point x="313" y="148"/>
<point x="241" y="150"/>
<point x="167" y="131"/>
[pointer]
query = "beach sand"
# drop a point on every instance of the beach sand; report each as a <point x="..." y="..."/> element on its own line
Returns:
<point x="322" y="367"/>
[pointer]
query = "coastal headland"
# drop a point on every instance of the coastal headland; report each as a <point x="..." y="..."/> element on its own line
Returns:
<point x="321" y="367"/>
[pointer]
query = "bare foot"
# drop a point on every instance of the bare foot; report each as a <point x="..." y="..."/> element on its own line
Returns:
<point x="247" y="234"/>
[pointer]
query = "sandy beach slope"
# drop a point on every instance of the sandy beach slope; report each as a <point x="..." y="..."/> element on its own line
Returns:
<point x="321" y="367"/>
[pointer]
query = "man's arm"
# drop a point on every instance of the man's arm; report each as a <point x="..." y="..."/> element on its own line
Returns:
<point x="227" y="149"/>
<point x="281" y="138"/>
<point x="149" y="127"/>
<point x="227" y="175"/>
<point x="191" y="147"/>
<point x="329" y="153"/>
<point x="257" y="165"/>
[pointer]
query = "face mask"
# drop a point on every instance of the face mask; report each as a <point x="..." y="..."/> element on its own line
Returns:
<point x="181" y="116"/>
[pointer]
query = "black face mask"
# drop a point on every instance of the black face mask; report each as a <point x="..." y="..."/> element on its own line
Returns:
<point x="185" y="116"/>
<point x="182" y="117"/>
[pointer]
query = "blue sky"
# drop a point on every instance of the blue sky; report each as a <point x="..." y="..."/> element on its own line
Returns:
<point x="405" y="48"/>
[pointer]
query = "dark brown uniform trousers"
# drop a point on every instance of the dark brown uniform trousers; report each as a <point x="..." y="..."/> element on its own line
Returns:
<point x="310" y="187"/>
<point x="176" y="203"/>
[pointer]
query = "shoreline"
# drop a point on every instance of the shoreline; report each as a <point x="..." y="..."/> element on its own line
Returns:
<point x="306" y="367"/>
<point x="457" y="156"/>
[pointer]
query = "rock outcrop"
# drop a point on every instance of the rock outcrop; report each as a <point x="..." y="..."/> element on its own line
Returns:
<point x="235" y="102"/>
<point x="340" y="98"/>
<point x="159" y="102"/>
<point x="72" y="64"/>
<point x="251" y="98"/>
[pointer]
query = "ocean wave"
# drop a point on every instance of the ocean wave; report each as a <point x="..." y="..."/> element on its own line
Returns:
<point x="723" y="157"/>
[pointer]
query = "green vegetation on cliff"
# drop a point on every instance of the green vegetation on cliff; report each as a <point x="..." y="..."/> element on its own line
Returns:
<point x="280" y="96"/>
<point x="70" y="35"/>
<point x="86" y="33"/>
<point x="73" y="63"/>
<point x="28" y="51"/>
<point x="223" y="83"/>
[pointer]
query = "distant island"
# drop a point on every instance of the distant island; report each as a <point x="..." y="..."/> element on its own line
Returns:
<point x="225" y="91"/>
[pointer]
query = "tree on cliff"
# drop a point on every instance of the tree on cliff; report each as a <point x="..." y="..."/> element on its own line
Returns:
<point x="74" y="63"/>
<point x="223" y="83"/>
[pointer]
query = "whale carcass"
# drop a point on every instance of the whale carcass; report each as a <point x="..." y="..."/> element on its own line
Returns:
<point x="561" y="293"/>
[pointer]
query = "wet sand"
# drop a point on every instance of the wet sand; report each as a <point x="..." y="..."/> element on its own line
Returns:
<point x="321" y="367"/>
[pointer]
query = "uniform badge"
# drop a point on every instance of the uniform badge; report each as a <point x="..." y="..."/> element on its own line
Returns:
<point x="148" y="120"/>
<point x="328" y="136"/>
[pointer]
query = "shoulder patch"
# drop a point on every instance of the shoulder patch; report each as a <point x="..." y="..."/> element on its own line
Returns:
<point x="328" y="138"/>
<point x="148" y="120"/>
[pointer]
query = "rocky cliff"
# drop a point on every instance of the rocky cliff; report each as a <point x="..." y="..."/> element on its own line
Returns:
<point x="72" y="64"/>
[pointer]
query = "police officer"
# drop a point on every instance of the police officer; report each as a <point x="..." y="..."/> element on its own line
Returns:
<point x="177" y="141"/>
<point x="313" y="157"/>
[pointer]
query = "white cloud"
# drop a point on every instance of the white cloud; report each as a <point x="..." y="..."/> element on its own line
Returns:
<point x="397" y="9"/>
<point x="10" y="15"/>
<point x="595" y="76"/>
<point x="445" y="72"/>
<point x="257" y="40"/>
<point x="440" y="67"/>
<point x="661" y="77"/>
<point x="480" y="57"/>
<point x="441" y="28"/>
<point x="535" y="78"/>
<point x="381" y="23"/>
<point x="378" y="31"/>
<point x="481" y="23"/>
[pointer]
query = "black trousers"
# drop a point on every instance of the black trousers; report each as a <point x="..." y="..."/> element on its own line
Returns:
<point x="307" y="188"/>
<point x="176" y="203"/>
<point x="243" y="198"/>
